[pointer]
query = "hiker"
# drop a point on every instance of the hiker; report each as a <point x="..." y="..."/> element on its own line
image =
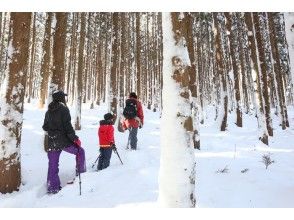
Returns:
<point x="61" y="137"/>
<point x="133" y="118"/>
<point x="106" y="141"/>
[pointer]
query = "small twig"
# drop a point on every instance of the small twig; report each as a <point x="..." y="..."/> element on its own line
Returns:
<point x="225" y="170"/>
<point x="245" y="170"/>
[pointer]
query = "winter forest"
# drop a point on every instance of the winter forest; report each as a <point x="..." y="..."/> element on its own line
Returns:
<point x="217" y="94"/>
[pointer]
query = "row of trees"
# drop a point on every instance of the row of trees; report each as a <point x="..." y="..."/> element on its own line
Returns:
<point x="237" y="62"/>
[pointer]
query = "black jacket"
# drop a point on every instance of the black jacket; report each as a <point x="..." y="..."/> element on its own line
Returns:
<point x="57" y="123"/>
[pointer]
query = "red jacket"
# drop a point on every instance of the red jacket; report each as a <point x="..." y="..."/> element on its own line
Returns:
<point x="135" y="122"/>
<point x="106" y="134"/>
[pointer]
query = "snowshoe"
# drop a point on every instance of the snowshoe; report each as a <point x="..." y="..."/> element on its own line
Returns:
<point x="51" y="192"/>
<point x="71" y="181"/>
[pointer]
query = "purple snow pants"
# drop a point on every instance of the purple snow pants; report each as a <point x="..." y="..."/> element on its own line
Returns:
<point x="53" y="181"/>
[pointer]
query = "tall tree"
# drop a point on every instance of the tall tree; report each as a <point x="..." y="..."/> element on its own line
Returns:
<point x="192" y="75"/>
<point x="177" y="180"/>
<point x="221" y="67"/>
<point x="138" y="53"/>
<point x="32" y="58"/>
<point x="114" y="64"/>
<point x="256" y="79"/>
<point x="235" y="54"/>
<point x="278" y="79"/>
<point x="58" y="70"/>
<point x="258" y="19"/>
<point x="11" y="108"/>
<point x="45" y="63"/>
<point x="80" y="72"/>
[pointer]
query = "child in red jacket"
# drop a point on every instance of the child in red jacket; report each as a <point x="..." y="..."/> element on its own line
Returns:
<point x="106" y="140"/>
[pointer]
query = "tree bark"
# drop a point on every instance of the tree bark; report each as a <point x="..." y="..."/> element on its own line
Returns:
<point x="45" y="63"/>
<point x="58" y="70"/>
<point x="11" y="108"/>
<point x="80" y="73"/>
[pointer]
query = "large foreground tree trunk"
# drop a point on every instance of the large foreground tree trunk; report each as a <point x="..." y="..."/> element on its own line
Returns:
<point x="177" y="170"/>
<point x="11" y="107"/>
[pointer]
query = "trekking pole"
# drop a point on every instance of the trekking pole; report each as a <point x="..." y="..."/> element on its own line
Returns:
<point x="115" y="151"/>
<point x="80" y="181"/>
<point x="96" y="161"/>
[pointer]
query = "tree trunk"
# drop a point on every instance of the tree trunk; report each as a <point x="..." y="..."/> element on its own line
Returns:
<point x="45" y="64"/>
<point x="114" y="65"/>
<point x="58" y="70"/>
<point x="221" y="68"/>
<point x="80" y="73"/>
<point x="262" y="61"/>
<point x="192" y="74"/>
<point x="258" y="98"/>
<point x="11" y="108"/>
<point x="234" y="53"/>
<point x="177" y="180"/>
<point x="138" y="54"/>
<point x="32" y="59"/>
<point x="278" y="82"/>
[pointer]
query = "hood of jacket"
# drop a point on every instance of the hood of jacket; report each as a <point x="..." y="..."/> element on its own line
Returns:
<point x="53" y="106"/>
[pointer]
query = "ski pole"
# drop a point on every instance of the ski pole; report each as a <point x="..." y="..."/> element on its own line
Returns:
<point x="115" y="151"/>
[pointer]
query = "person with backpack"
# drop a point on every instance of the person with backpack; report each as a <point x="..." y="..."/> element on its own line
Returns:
<point x="61" y="137"/>
<point x="133" y="118"/>
<point x="106" y="141"/>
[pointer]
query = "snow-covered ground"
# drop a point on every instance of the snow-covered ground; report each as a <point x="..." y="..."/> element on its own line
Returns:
<point x="135" y="183"/>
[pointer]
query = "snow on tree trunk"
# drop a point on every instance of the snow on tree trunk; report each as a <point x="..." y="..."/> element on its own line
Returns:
<point x="255" y="78"/>
<point x="222" y="68"/>
<point x="258" y="18"/>
<point x="177" y="165"/>
<point x="11" y="103"/>
<point x="278" y="84"/>
<point x="289" y="29"/>
<point x="234" y="52"/>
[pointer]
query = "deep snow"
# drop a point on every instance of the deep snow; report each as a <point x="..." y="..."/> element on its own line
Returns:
<point x="135" y="184"/>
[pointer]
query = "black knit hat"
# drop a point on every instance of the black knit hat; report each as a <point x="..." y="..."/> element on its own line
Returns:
<point x="59" y="96"/>
<point x="133" y="95"/>
<point x="108" y="116"/>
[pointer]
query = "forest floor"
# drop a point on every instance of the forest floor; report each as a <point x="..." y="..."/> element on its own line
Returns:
<point x="230" y="172"/>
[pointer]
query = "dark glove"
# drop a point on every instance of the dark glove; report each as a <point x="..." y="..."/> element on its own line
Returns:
<point x="100" y="150"/>
<point x="77" y="142"/>
<point x="140" y="126"/>
<point x="113" y="147"/>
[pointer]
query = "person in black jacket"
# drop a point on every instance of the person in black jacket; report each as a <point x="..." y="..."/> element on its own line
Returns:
<point x="61" y="137"/>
